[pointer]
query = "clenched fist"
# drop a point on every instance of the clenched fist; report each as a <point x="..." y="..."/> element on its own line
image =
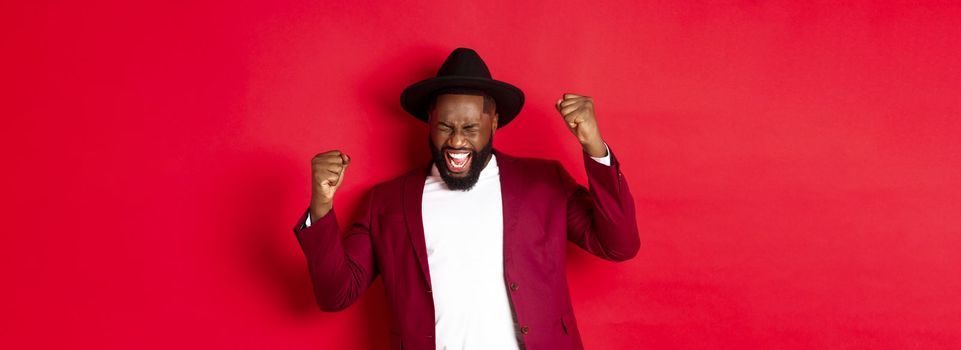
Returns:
<point x="578" y="114"/>
<point x="327" y="171"/>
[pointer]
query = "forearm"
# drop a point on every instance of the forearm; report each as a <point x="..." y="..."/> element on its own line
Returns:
<point x="339" y="269"/>
<point x="604" y="215"/>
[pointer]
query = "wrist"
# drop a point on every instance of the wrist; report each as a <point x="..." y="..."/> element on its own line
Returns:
<point x="596" y="148"/>
<point x="319" y="210"/>
<point x="318" y="213"/>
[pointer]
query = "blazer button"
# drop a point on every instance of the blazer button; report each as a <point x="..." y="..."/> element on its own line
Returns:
<point x="514" y="286"/>
<point x="525" y="330"/>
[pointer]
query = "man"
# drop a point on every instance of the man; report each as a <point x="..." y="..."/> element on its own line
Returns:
<point x="472" y="246"/>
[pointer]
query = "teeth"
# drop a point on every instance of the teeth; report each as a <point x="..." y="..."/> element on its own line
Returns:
<point x="455" y="164"/>
<point x="458" y="155"/>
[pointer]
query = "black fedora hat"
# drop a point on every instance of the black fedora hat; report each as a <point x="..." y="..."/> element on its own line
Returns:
<point x="463" y="69"/>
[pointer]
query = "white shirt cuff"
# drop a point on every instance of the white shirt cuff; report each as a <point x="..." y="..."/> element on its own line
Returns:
<point x="606" y="160"/>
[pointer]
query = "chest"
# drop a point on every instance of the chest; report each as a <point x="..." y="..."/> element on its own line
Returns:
<point x="464" y="224"/>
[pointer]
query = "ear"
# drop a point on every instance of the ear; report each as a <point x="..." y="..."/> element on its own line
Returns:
<point x="494" y="120"/>
<point x="430" y="116"/>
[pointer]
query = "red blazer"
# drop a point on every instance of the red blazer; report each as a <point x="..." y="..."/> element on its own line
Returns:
<point x="543" y="209"/>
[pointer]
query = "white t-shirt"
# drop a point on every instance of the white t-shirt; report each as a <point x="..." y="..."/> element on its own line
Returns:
<point x="464" y="232"/>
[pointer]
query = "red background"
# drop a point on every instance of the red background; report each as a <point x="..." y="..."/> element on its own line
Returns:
<point x="796" y="167"/>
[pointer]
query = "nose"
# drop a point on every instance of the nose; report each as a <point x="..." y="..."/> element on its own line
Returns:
<point x="457" y="140"/>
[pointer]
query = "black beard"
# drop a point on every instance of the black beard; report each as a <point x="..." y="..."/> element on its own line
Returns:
<point x="478" y="160"/>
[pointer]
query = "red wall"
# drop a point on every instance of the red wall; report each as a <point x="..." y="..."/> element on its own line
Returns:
<point x="796" y="168"/>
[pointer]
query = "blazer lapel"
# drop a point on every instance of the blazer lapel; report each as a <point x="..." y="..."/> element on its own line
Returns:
<point x="413" y="197"/>
<point x="511" y="186"/>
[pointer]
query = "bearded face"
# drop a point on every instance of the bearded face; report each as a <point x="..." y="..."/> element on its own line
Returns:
<point x="462" y="126"/>
<point x="460" y="168"/>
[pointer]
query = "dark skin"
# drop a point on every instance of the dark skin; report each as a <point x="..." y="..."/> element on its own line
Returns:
<point x="457" y="122"/>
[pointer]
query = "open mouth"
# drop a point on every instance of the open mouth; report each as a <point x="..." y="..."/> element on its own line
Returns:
<point x="458" y="161"/>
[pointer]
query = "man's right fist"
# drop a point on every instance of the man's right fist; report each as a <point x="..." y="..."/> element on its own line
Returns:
<point x="327" y="171"/>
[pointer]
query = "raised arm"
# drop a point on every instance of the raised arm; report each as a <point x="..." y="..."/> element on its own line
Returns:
<point x="600" y="219"/>
<point x="340" y="269"/>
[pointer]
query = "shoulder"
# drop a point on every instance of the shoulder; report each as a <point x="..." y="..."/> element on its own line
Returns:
<point x="528" y="166"/>
<point x="388" y="196"/>
<point x="398" y="183"/>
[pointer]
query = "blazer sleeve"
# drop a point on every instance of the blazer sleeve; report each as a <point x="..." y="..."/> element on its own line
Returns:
<point x="340" y="269"/>
<point x="601" y="219"/>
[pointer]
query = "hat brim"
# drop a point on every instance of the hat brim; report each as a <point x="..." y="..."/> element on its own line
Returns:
<point x="416" y="98"/>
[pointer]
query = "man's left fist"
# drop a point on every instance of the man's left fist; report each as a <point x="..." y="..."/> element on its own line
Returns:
<point x="578" y="113"/>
